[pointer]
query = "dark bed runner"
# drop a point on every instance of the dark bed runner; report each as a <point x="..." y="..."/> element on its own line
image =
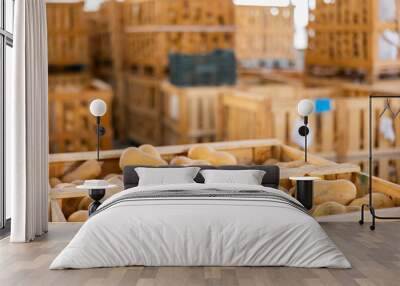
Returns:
<point x="205" y="193"/>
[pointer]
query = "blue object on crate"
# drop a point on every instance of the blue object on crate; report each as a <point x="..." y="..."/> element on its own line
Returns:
<point x="215" y="68"/>
<point x="323" y="105"/>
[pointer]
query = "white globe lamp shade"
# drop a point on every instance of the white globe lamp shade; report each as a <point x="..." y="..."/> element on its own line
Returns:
<point x="305" y="107"/>
<point x="98" y="107"/>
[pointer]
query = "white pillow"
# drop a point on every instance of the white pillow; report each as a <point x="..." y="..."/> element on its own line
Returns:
<point x="166" y="176"/>
<point x="247" y="177"/>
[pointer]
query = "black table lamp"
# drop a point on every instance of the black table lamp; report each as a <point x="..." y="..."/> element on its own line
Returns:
<point x="98" y="108"/>
<point x="305" y="108"/>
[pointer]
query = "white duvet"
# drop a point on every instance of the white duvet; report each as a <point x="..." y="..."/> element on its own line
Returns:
<point x="200" y="231"/>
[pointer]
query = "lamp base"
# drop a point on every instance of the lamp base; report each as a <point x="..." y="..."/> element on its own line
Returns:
<point x="96" y="195"/>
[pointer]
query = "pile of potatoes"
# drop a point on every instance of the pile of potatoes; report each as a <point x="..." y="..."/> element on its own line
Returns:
<point x="75" y="209"/>
<point x="330" y="197"/>
<point x="198" y="155"/>
<point x="340" y="196"/>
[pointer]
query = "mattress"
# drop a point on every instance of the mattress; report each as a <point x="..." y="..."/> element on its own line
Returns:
<point x="201" y="225"/>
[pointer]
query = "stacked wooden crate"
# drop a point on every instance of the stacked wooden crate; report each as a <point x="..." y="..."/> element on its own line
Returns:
<point x="353" y="132"/>
<point x="348" y="136"/>
<point x="189" y="114"/>
<point x="270" y="111"/>
<point x="144" y="108"/>
<point x="68" y="44"/>
<point x="352" y="127"/>
<point x="71" y="126"/>
<point x="107" y="45"/>
<point x="152" y="30"/>
<point x="155" y="28"/>
<point x="264" y="33"/>
<point x="357" y="36"/>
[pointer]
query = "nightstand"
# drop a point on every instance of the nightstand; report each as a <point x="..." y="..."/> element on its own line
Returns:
<point x="304" y="190"/>
<point x="96" y="193"/>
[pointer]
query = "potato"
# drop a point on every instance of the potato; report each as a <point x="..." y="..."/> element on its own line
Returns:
<point x="291" y="164"/>
<point x="134" y="156"/>
<point x="292" y="191"/>
<point x="209" y="154"/>
<point x="90" y="169"/>
<point x="329" y="208"/>
<point x="350" y="209"/>
<point x="151" y="150"/>
<point x="271" y="161"/>
<point x="70" y="205"/>
<point x="379" y="200"/>
<point x="84" y="203"/>
<point x="340" y="191"/>
<point x="54" y="181"/>
<point x="221" y="158"/>
<point x="78" y="216"/>
<point x="185" y="161"/>
<point x="200" y="151"/>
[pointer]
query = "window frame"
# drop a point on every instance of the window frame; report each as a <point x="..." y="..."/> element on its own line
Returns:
<point x="6" y="39"/>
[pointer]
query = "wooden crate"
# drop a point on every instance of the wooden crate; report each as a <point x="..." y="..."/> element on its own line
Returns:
<point x="107" y="43"/>
<point x="106" y="34"/>
<point x="64" y="16"/>
<point x="350" y="89"/>
<point x="153" y="29"/>
<point x="68" y="42"/>
<point x="144" y="109"/>
<point x="178" y="12"/>
<point x="147" y="52"/>
<point x="353" y="126"/>
<point x="247" y="153"/>
<point x="264" y="33"/>
<point x="71" y="126"/>
<point x="346" y="86"/>
<point x="249" y="113"/>
<point x="189" y="114"/>
<point x="68" y="49"/>
<point x="270" y="111"/>
<point x="68" y="81"/>
<point x="386" y="165"/>
<point x="348" y="36"/>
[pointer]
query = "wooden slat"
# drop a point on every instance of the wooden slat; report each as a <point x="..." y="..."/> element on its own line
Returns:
<point x="56" y="212"/>
<point x="143" y="105"/>
<point x="68" y="41"/>
<point x="319" y="171"/>
<point x="196" y="106"/>
<point x="260" y="35"/>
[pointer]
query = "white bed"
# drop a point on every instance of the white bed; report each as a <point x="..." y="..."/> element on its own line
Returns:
<point x="206" y="230"/>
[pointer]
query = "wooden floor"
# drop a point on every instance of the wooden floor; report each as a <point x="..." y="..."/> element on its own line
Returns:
<point x="375" y="257"/>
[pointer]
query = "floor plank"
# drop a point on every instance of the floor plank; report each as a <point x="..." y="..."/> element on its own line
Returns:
<point x="375" y="257"/>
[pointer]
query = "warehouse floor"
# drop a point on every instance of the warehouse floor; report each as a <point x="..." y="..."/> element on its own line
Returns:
<point x="375" y="257"/>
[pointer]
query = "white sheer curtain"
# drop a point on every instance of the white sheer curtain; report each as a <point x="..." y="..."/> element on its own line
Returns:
<point x="27" y="123"/>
